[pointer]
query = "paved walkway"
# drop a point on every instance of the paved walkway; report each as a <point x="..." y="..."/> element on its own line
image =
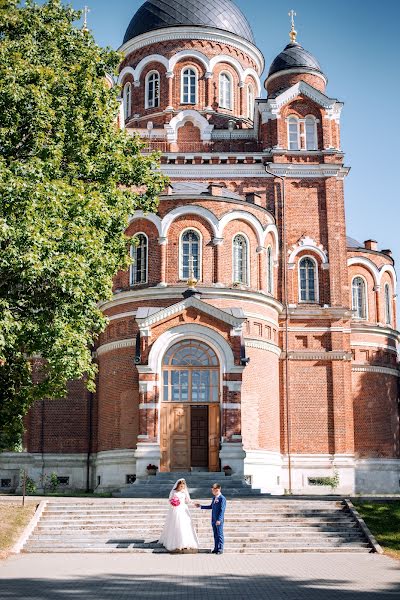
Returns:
<point x="202" y="577"/>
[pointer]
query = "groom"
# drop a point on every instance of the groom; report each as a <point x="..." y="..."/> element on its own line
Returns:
<point x="217" y="507"/>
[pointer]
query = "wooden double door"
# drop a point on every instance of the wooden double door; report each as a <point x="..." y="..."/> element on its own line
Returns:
<point x="189" y="436"/>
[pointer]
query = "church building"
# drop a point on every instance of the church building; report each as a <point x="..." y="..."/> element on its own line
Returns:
<point x="250" y="331"/>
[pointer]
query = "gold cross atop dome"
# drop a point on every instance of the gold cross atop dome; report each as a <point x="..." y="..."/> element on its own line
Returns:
<point x="86" y="11"/>
<point x="293" y="32"/>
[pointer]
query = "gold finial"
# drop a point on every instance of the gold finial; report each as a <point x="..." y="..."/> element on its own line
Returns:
<point x="293" y="32"/>
<point x="191" y="282"/>
<point x="86" y="11"/>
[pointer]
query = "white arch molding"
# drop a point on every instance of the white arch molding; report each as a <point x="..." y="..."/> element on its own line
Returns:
<point x="369" y="266"/>
<point x="179" y="211"/>
<point x="183" y="117"/>
<point x="309" y="245"/>
<point x="196" y="332"/>
<point x="155" y="219"/>
<point x="208" y="64"/>
<point x="217" y="226"/>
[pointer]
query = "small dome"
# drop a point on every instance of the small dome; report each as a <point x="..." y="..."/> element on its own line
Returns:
<point x="294" y="56"/>
<point x="218" y="14"/>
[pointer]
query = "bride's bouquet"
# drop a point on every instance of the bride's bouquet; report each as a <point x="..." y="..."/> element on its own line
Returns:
<point x="175" y="501"/>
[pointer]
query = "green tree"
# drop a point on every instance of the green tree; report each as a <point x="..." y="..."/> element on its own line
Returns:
<point x="69" y="179"/>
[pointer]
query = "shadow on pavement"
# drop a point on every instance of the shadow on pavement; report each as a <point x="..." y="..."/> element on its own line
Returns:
<point x="158" y="587"/>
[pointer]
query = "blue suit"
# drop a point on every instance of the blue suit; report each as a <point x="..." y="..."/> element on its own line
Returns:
<point x="217" y="506"/>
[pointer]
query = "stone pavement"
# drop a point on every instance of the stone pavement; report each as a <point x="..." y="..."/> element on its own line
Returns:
<point x="201" y="577"/>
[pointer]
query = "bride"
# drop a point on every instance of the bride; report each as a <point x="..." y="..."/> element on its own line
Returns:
<point x="178" y="532"/>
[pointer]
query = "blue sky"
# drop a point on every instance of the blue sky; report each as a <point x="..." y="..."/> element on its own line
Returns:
<point x="356" y="42"/>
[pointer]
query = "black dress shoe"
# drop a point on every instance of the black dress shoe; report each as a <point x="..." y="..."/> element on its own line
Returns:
<point x="220" y="552"/>
<point x="214" y="551"/>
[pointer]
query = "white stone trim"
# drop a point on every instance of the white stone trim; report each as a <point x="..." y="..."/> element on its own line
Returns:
<point x="195" y="33"/>
<point x="232" y="386"/>
<point x="367" y="329"/>
<point x="128" y="343"/>
<point x="147" y="386"/>
<point x="295" y="70"/>
<point x="185" y="116"/>
<point x="271" y="109"/>
<point x="295" y="171"/>
<point x="261" y="317"/>
<point x="155" y="219"/>
<point x="131" y="313"/>
<point x="193" y="209"/>
<point x="317" y="329"/>
<point x="325" y="355"/>
<point x="149" y="406"/>
<point x="358" y="368"/>
<point x="309" y="244"/>
<point x="192" y="331"/>
<point x="27" y="532"/>
<point x="209" y="293"/>
<point x="232" y="405"/>
<point x="191" y="302"/>
<point x="262" y="345"/>
<point x="372" y="345"/>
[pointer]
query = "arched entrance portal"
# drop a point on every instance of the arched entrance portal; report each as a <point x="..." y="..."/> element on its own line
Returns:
<point x="190" y="408"/>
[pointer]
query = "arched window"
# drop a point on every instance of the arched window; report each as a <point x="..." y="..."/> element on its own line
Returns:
<point x="225" y="91"/>
<point x="152" y="90"/>
<point x="302" y="133"/>
<point x="190" y="373"/>
<point x="139" y="255"/>
<point x="359" y="294"/>
<point x="127" y="100"/>
<point x="190" y="255"/>
<point x="240" y="260"/>
<point x="308" y="280"/>
<point x="189" y="86"/>
<point x="250" y="102"/>
<point x="294" y="133"/>
<point x="388" y="305"/>
<point x="311" y="133"/>
<point x="270" y="271"/>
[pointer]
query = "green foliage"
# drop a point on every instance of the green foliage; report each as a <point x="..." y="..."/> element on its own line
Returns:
<point x="332" y="481"/>
<point x="69" y="179"/>
<point x="30" y="485"/>
<point x="383" y="519"/>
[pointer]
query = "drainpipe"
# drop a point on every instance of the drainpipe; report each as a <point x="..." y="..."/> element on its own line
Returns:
<point x="42" y="443"/>
<point x="286" y="308"/>
<point x="90" y="429"/>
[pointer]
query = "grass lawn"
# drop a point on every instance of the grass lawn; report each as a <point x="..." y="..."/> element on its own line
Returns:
<point x="383" y="520"/>
<point x="13" y="519"/>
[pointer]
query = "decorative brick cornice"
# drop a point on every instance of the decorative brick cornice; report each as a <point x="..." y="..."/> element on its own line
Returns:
<point x="262" y="345"/>
<point x="256" y="170"/>
<point x="146" y="321"/>
<point x="318" y="355"/>
<point x="128" y="343"/>
<point x="374" y="369"/>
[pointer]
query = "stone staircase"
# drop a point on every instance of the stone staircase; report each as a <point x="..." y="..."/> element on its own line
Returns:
<point x="199" y="485"/>
<point x="253" y="526"/>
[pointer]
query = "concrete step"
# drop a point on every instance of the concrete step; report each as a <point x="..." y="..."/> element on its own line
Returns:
<point x="261" y="550"/>
<point x="252" y="526"/>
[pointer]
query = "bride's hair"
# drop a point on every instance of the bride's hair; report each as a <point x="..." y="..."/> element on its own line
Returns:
<point x="179" y="482"/>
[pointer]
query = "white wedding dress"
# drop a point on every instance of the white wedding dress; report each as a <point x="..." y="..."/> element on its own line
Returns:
<point x="178" y="532"/>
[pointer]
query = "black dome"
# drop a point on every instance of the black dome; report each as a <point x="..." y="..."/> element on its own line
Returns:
<point x="159" y="14"/>
<point x="292" y="57"/>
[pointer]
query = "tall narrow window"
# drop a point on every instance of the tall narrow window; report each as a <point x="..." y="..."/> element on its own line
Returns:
<point x="270" y="271"/>
<point x="139" y="254"/>
<point x="388" y="305"/>
<point x="311" y="133"/>
<point x="189" y="87"/>
<point x="250" y="102"/>
<point x="190" y="255"/>
<point x="225" y="91"/>
<point x="153" y="90"/>
<point x="308" y="280"/>
<point x="240" y="260"/>
<point x="359" y="293"/>
<point x="127" y="100"/>
<point x="294" y="134"/>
